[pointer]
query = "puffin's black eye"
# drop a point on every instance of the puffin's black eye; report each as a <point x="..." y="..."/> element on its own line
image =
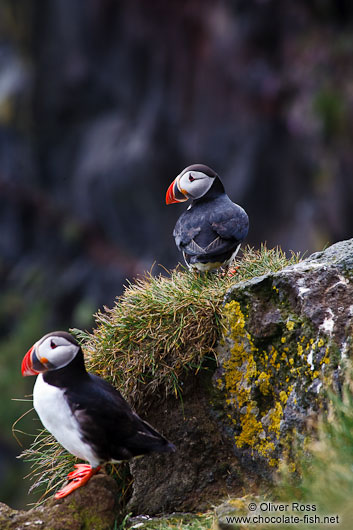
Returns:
<point x="52" y="344"/>
<point x="191" y="178"/>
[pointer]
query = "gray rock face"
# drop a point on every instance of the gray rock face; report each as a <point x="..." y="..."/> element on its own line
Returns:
<point x="203" y="467"/>
<point x="286" y="338"/>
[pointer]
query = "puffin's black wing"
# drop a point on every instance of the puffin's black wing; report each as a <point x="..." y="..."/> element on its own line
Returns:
<point x="210" y="228"/>
<point x="230" y="223"/>
<point x="108" y="423"/>
<point x="185" y="230"/>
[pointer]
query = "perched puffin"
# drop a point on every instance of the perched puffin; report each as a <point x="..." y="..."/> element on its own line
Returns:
<point x="86" y="415"/>
<point x="210" y="231"/>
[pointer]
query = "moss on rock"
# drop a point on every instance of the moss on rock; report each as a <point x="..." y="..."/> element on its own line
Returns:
<point x="92" y="507"/>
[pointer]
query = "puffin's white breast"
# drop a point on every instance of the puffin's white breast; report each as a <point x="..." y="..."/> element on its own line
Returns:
<point x="54" y="412"/>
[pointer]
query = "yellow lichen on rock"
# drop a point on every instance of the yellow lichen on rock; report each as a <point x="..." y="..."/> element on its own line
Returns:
<point x="263" y="382"/>
<point x="290" y="325"/>
<point x="258" y="382"/>
<point x="240" y="368"/>
<point x="275" y="418"/>
<point x="247" y="368"/>
<point x="251" y="427"/>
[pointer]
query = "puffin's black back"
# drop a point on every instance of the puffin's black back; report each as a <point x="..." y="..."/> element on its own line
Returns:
<point x="106" y="420"/>
<point x="109" y="424"/>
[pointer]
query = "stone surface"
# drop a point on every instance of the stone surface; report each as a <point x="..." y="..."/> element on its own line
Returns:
<point x="232" y="508"/>
<point x="203" y="467"/>
<point x="288" y="337"/>
<point x="92" y="507"/>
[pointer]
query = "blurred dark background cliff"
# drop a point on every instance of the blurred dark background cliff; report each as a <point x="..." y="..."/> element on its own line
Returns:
<point x="104" y="102"/>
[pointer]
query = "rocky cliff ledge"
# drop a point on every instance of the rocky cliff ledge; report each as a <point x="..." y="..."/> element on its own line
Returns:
<point x="284" y="340"/>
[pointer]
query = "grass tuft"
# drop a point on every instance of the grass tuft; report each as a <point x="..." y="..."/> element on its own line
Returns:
<point x="50" y="464"/>
<point x="160" y="328"/>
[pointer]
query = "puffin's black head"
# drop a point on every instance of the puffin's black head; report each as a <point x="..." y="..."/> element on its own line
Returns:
<point x="54" y="350"/>
<point x="192" y="183"/>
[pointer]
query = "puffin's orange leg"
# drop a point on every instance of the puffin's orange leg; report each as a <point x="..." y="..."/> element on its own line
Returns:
<point x="78" y="478"/>
<point x="233" y="270"/>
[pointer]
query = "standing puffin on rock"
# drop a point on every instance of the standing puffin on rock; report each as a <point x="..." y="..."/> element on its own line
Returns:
<point x="86" y="415"/>
<point x="210" y="231"/>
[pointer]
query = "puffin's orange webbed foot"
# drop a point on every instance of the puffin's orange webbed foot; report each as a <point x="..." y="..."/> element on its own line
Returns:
<point x="78" y="478"/>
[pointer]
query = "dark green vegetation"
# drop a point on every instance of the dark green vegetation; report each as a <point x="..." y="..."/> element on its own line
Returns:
<point x="27" y="325"/>
<point x="324" y="476"/>
<point x="157" y="330"/>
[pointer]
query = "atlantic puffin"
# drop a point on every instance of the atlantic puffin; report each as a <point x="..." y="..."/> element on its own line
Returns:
<point x="210" y="231"/>
<point x="86" y="414"/>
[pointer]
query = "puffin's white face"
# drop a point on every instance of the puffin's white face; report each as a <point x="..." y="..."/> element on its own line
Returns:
<point x="194" y="184"/>
<point x="189" y="184"/>
<point x="58" y="351"/>
<point x="49" y="353"/>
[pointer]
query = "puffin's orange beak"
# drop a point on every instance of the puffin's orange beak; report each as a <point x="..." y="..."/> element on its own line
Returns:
<point x="31" y="364"/>
<point x="27" y="364"/>
<point x="174" y="194"/>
